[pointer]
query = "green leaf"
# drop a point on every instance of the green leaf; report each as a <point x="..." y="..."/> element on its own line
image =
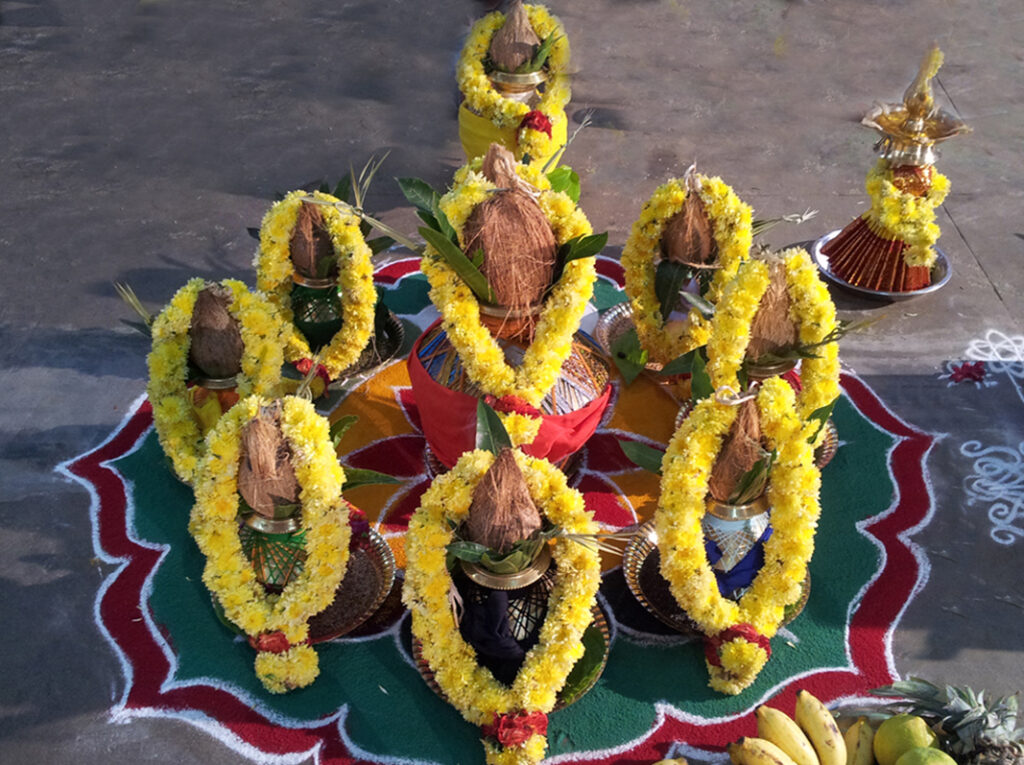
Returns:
<point x="628" y="356"/>
<point x="821" y="414"/>
<point x="419" y="193"/>
<point x="700" y="380"/>
<point x="469" y="273"/>
<point x="478" y="257"/>
<point x="587" y="668"/>
<point x="324" y="266"/>
<point x="340" y="427"/>
<point x="379" y="244"/>
<point x="365" y="477"/>
<point x="443" y="225"/>
<point x="565" y="179"/>
<point x="468" y="551"/>
<point x="669" y="279"/>
<point x="582" y="247"/>
<point x="429" y="219"/>
<point x="642" y="455"/>
<point x="540" y="56"/>
<point x="343" y="190"/>
<point x="680" y="365"/>
<point x="751" y="484"/>
<point x="490" y="430"/>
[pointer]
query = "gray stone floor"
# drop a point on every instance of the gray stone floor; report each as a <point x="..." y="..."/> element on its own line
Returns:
<point x="141" y="139"/>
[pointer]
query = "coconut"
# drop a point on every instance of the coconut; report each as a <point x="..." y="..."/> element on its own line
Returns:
<point x="266" y="479"/>
<point x="502" y="511"/>
<point x="310" y="247"/>
<point x="740" y="451"/>
<point x="773" y="330"/>
<point x="215" y="340"/>
<point x="519" y="247"/>
<point x="688" y="237"/>
<point x="514" y="44"/>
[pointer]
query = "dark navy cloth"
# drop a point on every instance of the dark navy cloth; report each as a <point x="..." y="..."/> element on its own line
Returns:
<point x="742" y="574"/>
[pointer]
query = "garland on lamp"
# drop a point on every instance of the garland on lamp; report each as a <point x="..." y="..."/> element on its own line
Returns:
<point x="534" y="133"/>
<point x="738" y="632"/>
<point x="355" y="278"/>
<point x="263" y="332"/>
<point x="277" y="626"/>
<point x="812" y="310"/>
<point x="564" y="306"/>
<point x="731" y="224"/>
<point x="514" y="718"/>
<point x="897" y="214"/>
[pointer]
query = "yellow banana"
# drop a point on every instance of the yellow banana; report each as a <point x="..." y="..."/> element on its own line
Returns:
<point x="819" y="725"/>
<point x="859" y="739"/>
<point x="757" y="751"/>
<point x="779" y="728"/>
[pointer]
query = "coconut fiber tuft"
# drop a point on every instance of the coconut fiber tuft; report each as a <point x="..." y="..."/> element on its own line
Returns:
<point x="502" y="511"/>
<point x="773" y="330"/>
<point x="740" y="451"/>
<point x="215" y="345"/>
<point x="266" y="479"/>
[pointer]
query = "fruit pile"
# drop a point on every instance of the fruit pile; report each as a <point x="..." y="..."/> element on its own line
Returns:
<point x="927" y="725"/>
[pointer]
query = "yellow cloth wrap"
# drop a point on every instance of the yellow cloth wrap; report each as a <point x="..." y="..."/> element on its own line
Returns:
<point x="478" y="133"/>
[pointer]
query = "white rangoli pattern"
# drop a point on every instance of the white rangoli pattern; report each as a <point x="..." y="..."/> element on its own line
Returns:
<point x="998" y="477"/>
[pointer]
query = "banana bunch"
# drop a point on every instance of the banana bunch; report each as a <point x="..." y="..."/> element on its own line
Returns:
<point x="813" y="738"/>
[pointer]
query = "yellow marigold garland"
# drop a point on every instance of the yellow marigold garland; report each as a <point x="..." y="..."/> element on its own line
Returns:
<point x="355" y="278"/>
<point x="731" y="225"/>
<point x="228" y="573"/>
<point x="896" y="214"/>
<point x="469" y="687"/>
<point x="505" y="112"/>
<point x="811" y="308"/>
<point x="793" y="495"/>
<point x="480" y="353"/>
<point x="263" y="332"/>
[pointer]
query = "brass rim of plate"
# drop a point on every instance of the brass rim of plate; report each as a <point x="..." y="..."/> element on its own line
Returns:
<point x="726" y="512"/>
<point x="272" y="525"/>
<point x="518" y="580"/>
<point x="525" y="78"/>
<point x="313" y="284"/>
<point x="216" y="383"/>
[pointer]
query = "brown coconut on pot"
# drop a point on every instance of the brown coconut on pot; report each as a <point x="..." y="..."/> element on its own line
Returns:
<point x="502" y="511"/>
<point x="773" y="329"/>
<point x="215" y="339"/>
<point x="740" y="451"/>
<point x="310" y="246"/>
<point x="514" y="44"/>
<point x="519" y="247"/>
<point x="266" y="479"/>
<point x="688" y="237"/>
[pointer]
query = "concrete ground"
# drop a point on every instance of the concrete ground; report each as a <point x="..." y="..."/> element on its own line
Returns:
<point x="139" y="140"/>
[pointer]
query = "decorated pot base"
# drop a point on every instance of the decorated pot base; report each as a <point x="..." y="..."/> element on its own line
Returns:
<point x="641" y="568"/>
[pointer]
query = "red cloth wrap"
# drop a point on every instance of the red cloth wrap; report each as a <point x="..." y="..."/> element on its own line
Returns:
<point x="449" y="418"/>
<point x="515" y="730"/>
<point x="742" y="630"/>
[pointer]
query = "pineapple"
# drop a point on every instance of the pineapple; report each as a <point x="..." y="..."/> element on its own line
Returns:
<point x="976" y="731"/>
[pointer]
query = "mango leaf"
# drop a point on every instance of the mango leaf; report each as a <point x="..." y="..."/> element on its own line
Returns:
<point x="582" y="247"/>
<point x="379" y="244"/>
<point x="469" y="273"/>
<point x="478" y="257"/>
<point x="364" y="477"/>
<point x="669" y="279"/>
<point x="642" y="455"/>
<point x="343" y="190"/>
<point x="340" y="427"/>
<point x="752" y="483"/>
<point x="700" y="380"/>
<point x="490" y="430"/>
<point x="443" y="225"/>
<point x="680" y="365"/>
<point x="466" y="550"/>
<point x="540" y="55"/>
<point x="429" y="219"/>
<point x="565" y="179"/>
<point x="628" y="356"/>
<point x="821" y="414"/>
<point x="587" y="668"/>
<point x="419" y="193"/>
